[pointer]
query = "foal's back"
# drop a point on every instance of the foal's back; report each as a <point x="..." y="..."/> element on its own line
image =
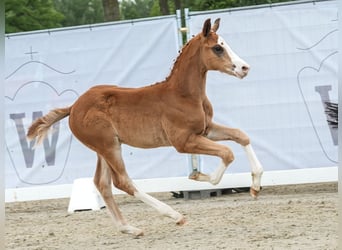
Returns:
<point x="132" y="115"/>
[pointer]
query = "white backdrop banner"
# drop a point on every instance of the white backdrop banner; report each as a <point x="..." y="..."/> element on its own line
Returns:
<point x="45" y="70"/>
<point x="292" y="51"/>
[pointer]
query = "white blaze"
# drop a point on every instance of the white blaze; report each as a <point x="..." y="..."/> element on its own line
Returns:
<point x="236" y="60"/>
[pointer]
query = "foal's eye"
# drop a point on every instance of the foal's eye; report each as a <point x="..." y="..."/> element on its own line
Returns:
<point x="218" y="49"/>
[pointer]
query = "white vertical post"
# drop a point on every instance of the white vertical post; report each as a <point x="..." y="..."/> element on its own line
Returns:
<point x="339" y="127"/>
<point x="195" y="163"/>
<point x="2" y="124"/>
<point x="187" y="25"/>
<point x="195" y="160"/>
<point x="179" y="28"/>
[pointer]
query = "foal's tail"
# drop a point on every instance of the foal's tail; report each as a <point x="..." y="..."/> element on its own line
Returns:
<point x="40" y="127"/>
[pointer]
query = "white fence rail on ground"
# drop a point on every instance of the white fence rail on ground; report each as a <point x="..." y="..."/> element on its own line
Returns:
<point x="292" y="50"/>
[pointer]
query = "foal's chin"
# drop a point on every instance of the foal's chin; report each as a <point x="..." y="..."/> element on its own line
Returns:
<point x="239" y="75"/>
<point x="234" y="73"/>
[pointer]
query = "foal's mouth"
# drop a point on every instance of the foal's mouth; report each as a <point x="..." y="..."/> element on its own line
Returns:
<point x="233" y="72"/>
<point x="239" y="75"/>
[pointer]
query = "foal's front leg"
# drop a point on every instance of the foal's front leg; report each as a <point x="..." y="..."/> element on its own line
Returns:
<point x="257" y="170"/>
<point x="197" y="144"/>
<point x="219" y="133"/>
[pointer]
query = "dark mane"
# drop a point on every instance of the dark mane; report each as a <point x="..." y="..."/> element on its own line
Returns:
<point x="181" y="52"/>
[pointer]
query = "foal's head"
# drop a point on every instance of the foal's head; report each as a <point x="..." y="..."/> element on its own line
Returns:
<point x="217" y="55"/>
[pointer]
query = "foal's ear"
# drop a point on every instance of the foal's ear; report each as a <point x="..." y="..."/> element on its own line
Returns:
<point x="216" y="24"/>
<point x="206" y="27"/>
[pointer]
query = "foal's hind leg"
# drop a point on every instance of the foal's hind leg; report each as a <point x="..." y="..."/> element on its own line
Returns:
<point x="161" y="207"/>
<point x="122" y="181"/>
<point x="103" y="182"/>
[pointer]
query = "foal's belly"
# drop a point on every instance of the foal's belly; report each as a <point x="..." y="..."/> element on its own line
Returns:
<point x="142" y="132"/>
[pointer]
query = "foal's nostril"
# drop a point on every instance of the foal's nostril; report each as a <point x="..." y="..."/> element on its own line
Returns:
<point x="245" y="68"/>
<point x="233" y="66"/>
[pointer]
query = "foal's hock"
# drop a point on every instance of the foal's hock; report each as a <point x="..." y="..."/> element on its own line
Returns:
<point x="175" y="112"/>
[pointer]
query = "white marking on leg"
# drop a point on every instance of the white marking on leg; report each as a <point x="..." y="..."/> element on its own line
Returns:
<point x="257" y="169"/>
<point x="161" y="207"/>
<point x="216" y="176"/>
<point x="128" y="229"/>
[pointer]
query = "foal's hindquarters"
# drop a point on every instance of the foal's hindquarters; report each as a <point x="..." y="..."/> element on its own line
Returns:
<point x="94" y="128"/>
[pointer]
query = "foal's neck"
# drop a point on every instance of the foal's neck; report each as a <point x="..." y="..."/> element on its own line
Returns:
<point x="188" y="76"/>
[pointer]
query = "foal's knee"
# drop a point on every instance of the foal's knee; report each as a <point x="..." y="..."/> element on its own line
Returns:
<point x="243" y="138"/>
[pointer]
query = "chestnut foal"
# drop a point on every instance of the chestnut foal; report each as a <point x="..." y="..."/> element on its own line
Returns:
<point x="175" y="112"/>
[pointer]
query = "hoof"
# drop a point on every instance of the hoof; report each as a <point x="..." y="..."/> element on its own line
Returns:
<point x="194" y="175"/>
<point x="198" y="176"/>
<point x="137" y="236"/>
<point x="181" y="222"/>
<point x="136" y="232"/>
<point x="254" y="193"/>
